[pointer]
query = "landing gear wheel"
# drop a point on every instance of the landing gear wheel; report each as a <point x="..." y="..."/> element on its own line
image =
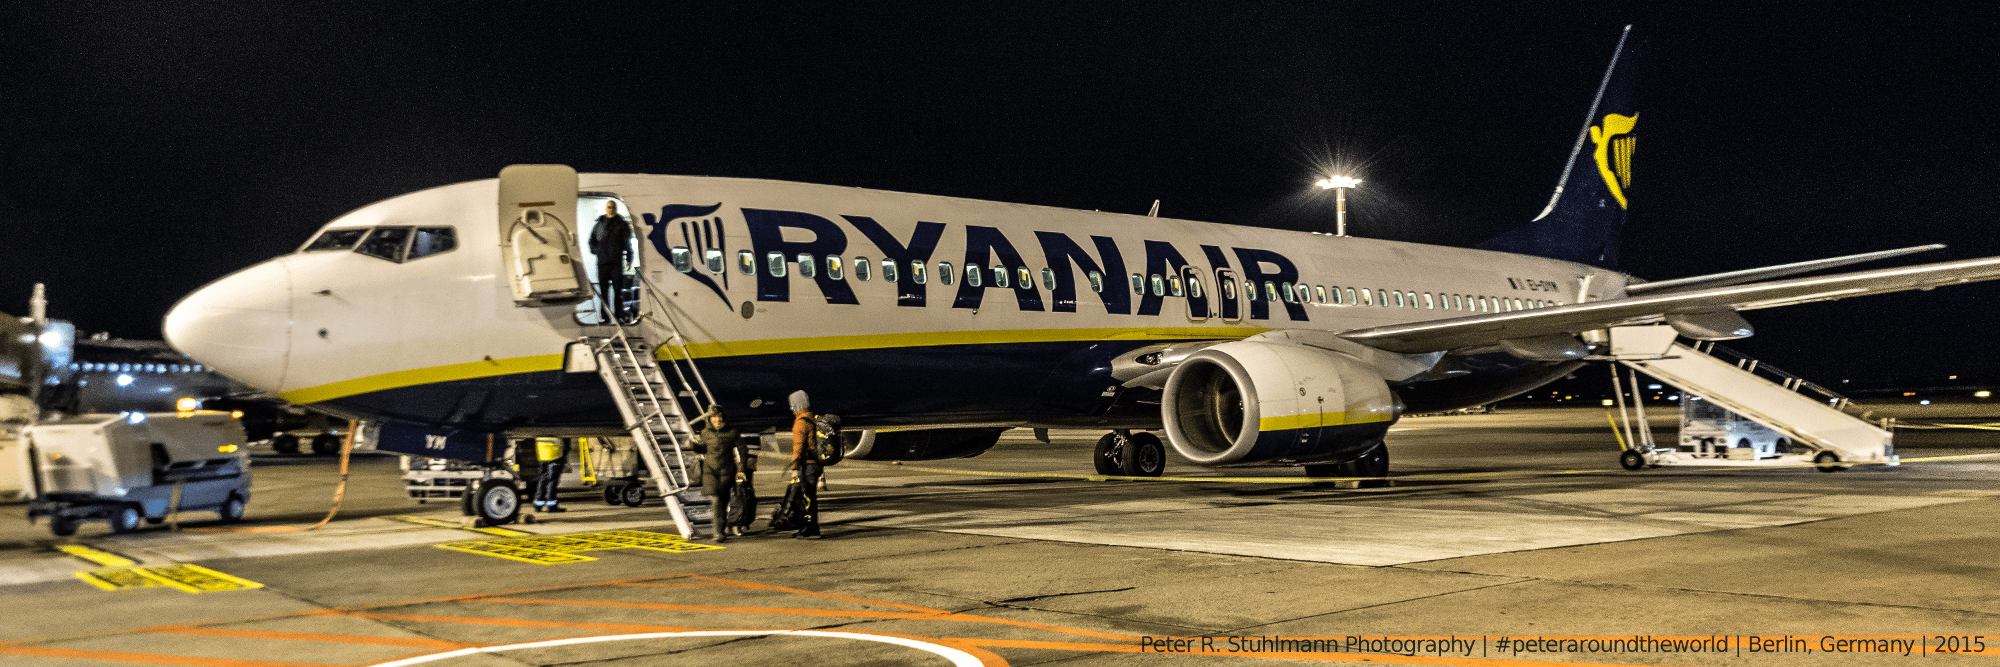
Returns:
<point x="1375" y="463"/>
<point x="614" y="494"/>
<point x="1632" y="460"/>
<point x="634" y="495"/>
<point x="1325" y="470"/>
<point x="498" y="502"/>
<point x="1826" y="461"/>
<point x="285" y="443"/>
<point x="1144" y="456"/>
<point x="126" y="519"/>
<point x="231" y="510"/>
<point x="62" y="526"/>
<point x="466" y="497"/>
<point x="1106" y="459"/>
<point x="325" y="444"/>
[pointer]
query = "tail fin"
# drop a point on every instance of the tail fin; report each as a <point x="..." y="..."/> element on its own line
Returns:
<point x="1585" y="219"/>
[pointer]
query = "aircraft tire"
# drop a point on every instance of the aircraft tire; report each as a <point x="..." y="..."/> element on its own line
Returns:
<point x="126" y="519"/>
<point x="1825" y="461"/>
<point x="498" y="502"/>
<point x="1375" y="463"/>
<point x="62" y="526"/>
<point x="1325" y="470"/>
<point x="614" y="494"/>
<point x="231" y="510"/>
<point x="325" y="444"/>
<point x="634" y="495"/>
<point x="466" y="497"/>
<point x="285" y="443"/>
<point x="1144" y="456"/>
<point x="1632" y="460"/>
<point x="1106" y="457"/>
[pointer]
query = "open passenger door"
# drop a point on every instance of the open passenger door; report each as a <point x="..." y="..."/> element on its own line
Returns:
<point x="538" y="235"/>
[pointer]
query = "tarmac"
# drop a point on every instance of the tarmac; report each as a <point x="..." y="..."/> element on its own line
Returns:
<point x="1501" y="540"/>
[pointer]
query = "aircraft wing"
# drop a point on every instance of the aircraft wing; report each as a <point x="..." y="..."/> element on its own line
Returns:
<point x="1462" y="332"/>
<point x="1768" y="272"/>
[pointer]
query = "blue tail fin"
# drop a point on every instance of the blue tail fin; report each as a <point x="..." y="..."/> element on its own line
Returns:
<point x="1585" y="219"/>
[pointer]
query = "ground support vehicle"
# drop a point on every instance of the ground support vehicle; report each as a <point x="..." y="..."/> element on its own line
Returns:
<point x="136" y="467"/>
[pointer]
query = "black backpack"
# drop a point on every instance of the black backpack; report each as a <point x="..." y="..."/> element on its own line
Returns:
<point x="826" y="439"/>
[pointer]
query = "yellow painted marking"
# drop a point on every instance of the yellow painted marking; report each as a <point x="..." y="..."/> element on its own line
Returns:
<point x="185" y="578"/>
<point x="1315" y="419"/>
<point x="550" y="362"/>
<point x="559" y="549"/>
<point x="434" y="523"/>
<point x="501" y="532"/>
<point x="104" y="558"/>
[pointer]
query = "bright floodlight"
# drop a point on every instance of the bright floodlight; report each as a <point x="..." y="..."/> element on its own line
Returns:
<point x="1332" y="182"/>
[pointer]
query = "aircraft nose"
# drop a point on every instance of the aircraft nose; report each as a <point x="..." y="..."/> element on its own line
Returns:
<point x="241" y="325"/>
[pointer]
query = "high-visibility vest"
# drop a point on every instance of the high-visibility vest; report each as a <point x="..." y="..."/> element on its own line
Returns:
<point x="548" y="449"/>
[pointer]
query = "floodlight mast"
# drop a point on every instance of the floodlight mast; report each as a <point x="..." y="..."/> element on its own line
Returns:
<point x="1339" y="185"/>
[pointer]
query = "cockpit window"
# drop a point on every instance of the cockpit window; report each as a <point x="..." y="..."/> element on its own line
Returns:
<point x="431" y="241"/>
<point x="337" y="239"/>
<point x="386" y="243"/>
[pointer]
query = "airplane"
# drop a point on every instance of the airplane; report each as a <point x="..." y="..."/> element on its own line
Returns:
<point x="939" y="322"/>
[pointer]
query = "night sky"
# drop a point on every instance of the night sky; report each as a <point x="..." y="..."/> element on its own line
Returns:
<point x="149" y="148"/>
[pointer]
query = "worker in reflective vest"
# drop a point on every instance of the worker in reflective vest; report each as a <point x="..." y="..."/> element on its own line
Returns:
<point x="552" y="452"/>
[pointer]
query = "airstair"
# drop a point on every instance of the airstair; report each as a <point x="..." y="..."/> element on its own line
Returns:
<point x="649" y="400"/>
<point x="1805" y="413"/>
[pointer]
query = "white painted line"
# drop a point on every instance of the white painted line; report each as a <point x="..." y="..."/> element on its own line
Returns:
<point x="957" y="657"/>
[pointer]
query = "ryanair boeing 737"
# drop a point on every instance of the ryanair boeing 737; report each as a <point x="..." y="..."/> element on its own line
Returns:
<point x="443" y="315"/>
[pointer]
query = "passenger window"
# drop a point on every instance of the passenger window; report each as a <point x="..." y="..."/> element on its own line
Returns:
<point x="746" y="262"/>
<point x="973" y="274"/>
<point x="775" y="262"/>
<point x="945" y="276"/>
<point x="1174" y="286"/>
<point x="432" y="241"/>
<point x="1305" y="293"/>
<point x="807" y="267"/>
<point x="1049" y="279"/>
<point x="1366" y="299"/>
<point x="713" y="258"/>
<point x="1096" y="282"/>
<point x="1194" y="286"/>
<point x="1457" y="303"/>
<point x="888" y="270"/>
<point x="999" y="276"/>
<point x="860" y="267"/>
<point x="833" y="267"/>
<point x="1271" y="291"/>
<point x="1138" y="283"/>
<point x="683" y="259"/>
<point x="1249" y="291"/>
<point x="1024" y="282"/>
<point x="917" y="272"/>
<point x="1159" y="285"/>
<point x="1290" y="297"/>
<point x="1399" y="298"/>
<point x="1319" y="291"/>
<point x="337" y="239"/>
<point x="1427" y="302"/>
<point x="386" y="243"/>
<point x="1350" y="296"/>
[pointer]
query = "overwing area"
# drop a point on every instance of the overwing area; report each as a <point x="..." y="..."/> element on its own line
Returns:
<point x="1462" y="332"/>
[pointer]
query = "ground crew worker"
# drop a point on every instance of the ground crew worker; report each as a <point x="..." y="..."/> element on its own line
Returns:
<point x="718" y="444"/>
<point x="552" y="452"/>
<point x="806" y="468"/>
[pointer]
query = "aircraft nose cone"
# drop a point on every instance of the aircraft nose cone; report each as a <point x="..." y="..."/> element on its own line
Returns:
<point x="241" y="325"/>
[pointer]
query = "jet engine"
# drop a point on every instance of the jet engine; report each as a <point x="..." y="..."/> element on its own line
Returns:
<point x="926" y="445"/>
<point x="1249" y="402"/>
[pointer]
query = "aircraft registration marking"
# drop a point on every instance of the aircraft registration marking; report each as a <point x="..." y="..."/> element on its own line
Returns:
<point x="184" y="577"/>
<point x="560" y="549"/>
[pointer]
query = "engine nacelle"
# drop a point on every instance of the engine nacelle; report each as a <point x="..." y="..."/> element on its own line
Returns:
<point x="1249" y="402"/>
<point x="926" y="445"/>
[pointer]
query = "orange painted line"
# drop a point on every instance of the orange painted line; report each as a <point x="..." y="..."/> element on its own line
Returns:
<point x="1283" y="655"/>
<point x="786" y="611"/>
<point x="654" y="585"/>
<point x="143" y="658"/>
<point x="412" y="642"/>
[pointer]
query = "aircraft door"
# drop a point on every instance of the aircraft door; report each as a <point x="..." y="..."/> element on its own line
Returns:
<point x="1225" y="296"/>
<point x="610" y="256"/>
<point x="1197" y="294"/>
<point x="538" y="235"/>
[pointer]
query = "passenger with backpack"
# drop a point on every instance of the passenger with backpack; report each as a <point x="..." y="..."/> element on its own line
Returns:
<point x="807" y="467"/>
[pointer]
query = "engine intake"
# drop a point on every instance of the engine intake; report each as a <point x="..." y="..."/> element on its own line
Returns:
<point x="1250" y="402"/>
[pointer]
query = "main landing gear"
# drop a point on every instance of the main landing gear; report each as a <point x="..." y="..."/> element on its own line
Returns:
<point x="1375" y="463"/>
<point x="1127" y="454"/>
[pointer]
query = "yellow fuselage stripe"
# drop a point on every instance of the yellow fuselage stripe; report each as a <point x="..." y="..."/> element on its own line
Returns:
<point x="1316" y="419"/>
<point x="551" y="362"/>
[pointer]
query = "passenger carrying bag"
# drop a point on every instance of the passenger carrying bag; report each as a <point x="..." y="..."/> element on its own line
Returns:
<point x="826" y="439"/>
<point x="790" y="513"/>
<point x="742" y="509"/>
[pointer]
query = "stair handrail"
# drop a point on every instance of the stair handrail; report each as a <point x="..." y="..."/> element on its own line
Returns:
<point x="651" y="402"/>
<point x="1784" y="379"/>
<point x="679" y="341"/>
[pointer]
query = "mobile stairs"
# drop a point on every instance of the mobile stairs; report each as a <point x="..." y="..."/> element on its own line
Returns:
<point x="649" y="401"/>
<point x="1802" y="423"/>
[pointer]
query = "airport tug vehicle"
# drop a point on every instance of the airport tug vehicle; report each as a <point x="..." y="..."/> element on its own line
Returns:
<point x="139" y="466"/>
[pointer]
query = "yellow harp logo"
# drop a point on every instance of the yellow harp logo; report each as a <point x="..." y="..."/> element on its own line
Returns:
<point x="1614" y="152"/>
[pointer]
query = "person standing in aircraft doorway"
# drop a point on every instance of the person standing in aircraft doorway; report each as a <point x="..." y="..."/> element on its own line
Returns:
<point x="611" y="241"/>
<point x="551" y="452"/>
<point x="806" y="468"/>
<point x="720" y="446"/>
